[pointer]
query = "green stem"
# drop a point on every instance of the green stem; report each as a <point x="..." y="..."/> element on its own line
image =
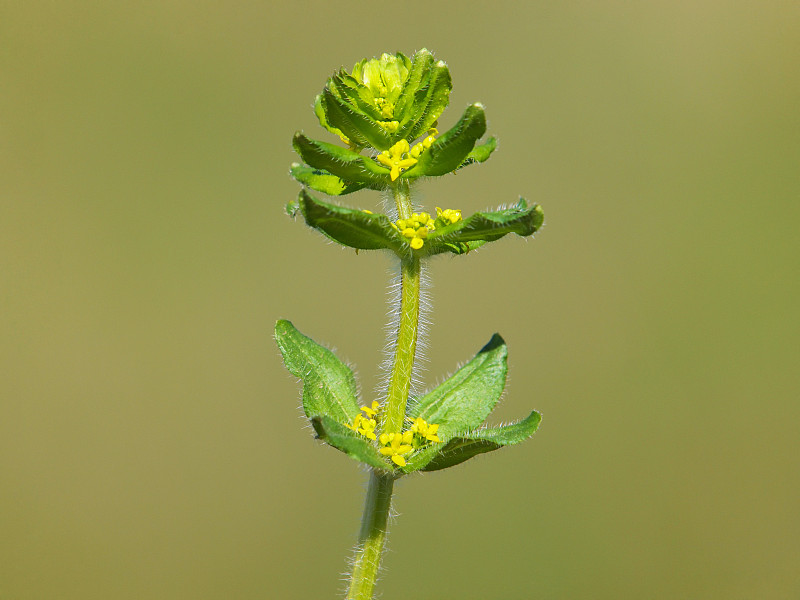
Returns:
<point x="407" y="327"/>
<point x="406" y="347"/>
<point x="379" y="493"/>
<point x="372" y="536"/>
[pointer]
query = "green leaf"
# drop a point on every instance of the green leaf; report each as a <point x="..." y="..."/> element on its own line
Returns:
<point x="359" y="128"/>
<point x="323" y="119"/>
<point x="465" y="400"/>
<point x="348" y="89"/>
<point x="342" y="162"/>
<point x="349" y="442"/>
<point x="350" y="226"/>
<point x="485" y="227"/>
<point x="429" y="102"/>
<point x="324" y="182"/>
<point x="480" y="153"/>
<point x="419" y="72"/>
<point x="329" y="387"/>
<point x="463" y="447"/>
<point x="450" y="150"/>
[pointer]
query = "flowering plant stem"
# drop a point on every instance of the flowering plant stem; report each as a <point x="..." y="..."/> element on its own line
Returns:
<point x="371" y="536"/>
<point x="386" y="112"/>
<point x="379" y="493"/>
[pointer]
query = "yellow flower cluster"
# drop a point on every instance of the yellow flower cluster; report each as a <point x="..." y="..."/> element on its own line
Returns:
<point x="365" y="424"/>
<point x="401" y="156"/>
<point x="425" y="430"/>
<point x="390" y="126"/>
<point x="386" y="107"/>
<point x="415" y="229"/>
<point x="397" y="158"/>
<point x="396" y="446"/>
<point x="448" y="216"/>
<point x="387" y="112"/>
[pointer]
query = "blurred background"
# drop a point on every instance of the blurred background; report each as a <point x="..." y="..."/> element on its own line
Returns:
<point x="151" y="443"/>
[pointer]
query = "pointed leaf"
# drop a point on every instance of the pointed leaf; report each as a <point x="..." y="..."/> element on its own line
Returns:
<point x="349" y="90"/>
<point x="359" y="128"/>
<point x="465" y="400"/>
<point x="464" y="447"/>
<point x="429" y="102"/>
<point x="354" y="445"/>
<point x="342" y="162"/>
<point x="350" y="226"/>
<point x="480" y="153"/>
<point x="419" y="72"/>
<point x="450" y="150"/>
<point x="324" y="182"/>
<point x="319" y="110"/>
<point x="485" y="227"/>
<point x="329" y="387"/>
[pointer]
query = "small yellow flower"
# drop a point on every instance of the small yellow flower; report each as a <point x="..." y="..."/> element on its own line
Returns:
<point x="428" y="141"/>
<point x="367" y="428"/>
<point x="415" y="228"/>
<point x="448" y="216"/>
<point x="396" y="445"/>
<point x="425" y="430"/>
<point x="390" y="126"/>
<point x="393" y="158"/>
<point x="364" y="426"/>
<point x="356" y="422"/>
<point x="371" y="412"/>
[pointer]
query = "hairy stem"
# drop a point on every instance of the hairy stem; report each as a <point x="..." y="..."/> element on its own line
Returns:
<point x="407" y="327"/>
<point x="379" y="493"/>
<point x="371" y="537"/>
<point x="405" y="348"/>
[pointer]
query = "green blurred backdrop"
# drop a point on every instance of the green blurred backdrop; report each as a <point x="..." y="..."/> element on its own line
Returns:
<point x="151" y="444"/>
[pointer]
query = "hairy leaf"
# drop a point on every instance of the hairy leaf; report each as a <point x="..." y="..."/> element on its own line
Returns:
<point x="429" y="102"/>
<point x="463" y="447"/>
<point x="418" y="73"/>
<point x="485" y="227"/>
<point x="464" y="400"/>
<point x="358" y="127"/>
<point x="329" y="387"/>
<point x="323" y="181"/>
<point x="349" y="442"/>
<point x="350" y="226"/>
<point x="450" y="150"/>
<point x="342" y="162"/>
<point x="480" y="153"/>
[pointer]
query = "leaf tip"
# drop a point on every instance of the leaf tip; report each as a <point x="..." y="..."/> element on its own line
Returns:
<point x="496" y="342"/>
<point x="319" y="429"/>
<point x="282" y="326"/>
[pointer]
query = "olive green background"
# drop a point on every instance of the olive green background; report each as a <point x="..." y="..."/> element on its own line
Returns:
<point x="151" y="444"/>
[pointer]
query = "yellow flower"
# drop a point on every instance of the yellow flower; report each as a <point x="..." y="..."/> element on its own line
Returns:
<point x="396" y="445"/>
<point x="415" y="228"/>
<point x="371" y="411"/>
<point x="390" y="126"/>
<point x="364" y="426"/>
<point x="367" y="428"/>
<point x="448" y="216"/>
<point x="393" y="158"/>
<point x="425" y="430"/>
<point x="356" y="422"/>
<point x="428" y="141"/>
